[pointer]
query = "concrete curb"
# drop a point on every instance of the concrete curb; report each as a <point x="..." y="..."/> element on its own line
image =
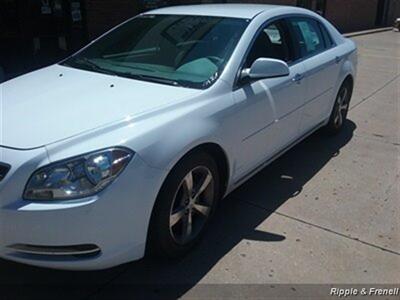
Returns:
<point x="365" y="32"/>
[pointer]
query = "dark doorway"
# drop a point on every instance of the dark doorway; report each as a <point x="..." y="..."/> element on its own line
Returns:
<point x="11" y="41"/>
<point x="36" y="33"/>
<point x="381" y="13"/>
<point x="318" y="6"/>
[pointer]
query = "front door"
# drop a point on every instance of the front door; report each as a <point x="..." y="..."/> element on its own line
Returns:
<point x="270" y="109"/>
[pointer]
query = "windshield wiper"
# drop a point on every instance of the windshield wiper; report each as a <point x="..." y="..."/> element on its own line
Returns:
<point x="151" y="78"/>
<point x="83" y="61"/>
<point x="130" y="67"/>
<point x="92" y="66"/>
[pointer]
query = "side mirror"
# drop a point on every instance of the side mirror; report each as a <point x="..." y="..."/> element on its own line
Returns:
<point x="266" y="68"/>
<point x="2" y="75"/>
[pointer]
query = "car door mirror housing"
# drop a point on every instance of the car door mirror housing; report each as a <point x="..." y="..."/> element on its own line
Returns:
<point x="264" y="68"/>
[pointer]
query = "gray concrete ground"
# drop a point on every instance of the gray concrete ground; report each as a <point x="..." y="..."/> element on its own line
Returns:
<point x="327" y="212"/>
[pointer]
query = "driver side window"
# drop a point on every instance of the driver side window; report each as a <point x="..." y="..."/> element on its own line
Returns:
<point x="272" y="42"/>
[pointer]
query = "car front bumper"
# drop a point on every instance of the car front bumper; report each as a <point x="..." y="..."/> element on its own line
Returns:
<point x="99" y="232"/>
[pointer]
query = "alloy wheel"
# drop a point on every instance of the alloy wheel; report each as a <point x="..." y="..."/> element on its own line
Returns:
<point x="192" y="205"/>
<point x="342" y="107"/>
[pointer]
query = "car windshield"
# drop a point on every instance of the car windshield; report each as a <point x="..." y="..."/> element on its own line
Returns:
<point x="188" y="51"/>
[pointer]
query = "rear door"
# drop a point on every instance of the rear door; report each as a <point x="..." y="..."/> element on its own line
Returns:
<point x="316" y="50"/>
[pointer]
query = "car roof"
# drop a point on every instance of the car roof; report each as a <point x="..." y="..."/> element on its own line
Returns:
<point x="244" y="11"/>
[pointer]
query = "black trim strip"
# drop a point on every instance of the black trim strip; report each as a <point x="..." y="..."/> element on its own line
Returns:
<point x="75" y="250"/>
<point x="4" y="169"/>
<point x="21" y="149"/>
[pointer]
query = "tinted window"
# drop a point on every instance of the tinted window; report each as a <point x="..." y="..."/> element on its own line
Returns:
<point x="327" y="37"/>
<point x="271" y="42"/>
<point x="179" y="50"/>
<point x="308" y="36"/>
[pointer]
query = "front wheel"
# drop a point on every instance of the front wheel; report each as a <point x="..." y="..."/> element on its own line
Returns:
<point x="184" y="206"/>
<point x="340" y="109"/>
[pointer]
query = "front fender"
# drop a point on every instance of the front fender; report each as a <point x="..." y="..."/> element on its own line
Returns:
<point x="177" y="140"/>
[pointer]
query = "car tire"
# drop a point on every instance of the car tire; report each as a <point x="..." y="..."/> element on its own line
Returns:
<point x="340" y="109"/>
<point x="183" y="210"/>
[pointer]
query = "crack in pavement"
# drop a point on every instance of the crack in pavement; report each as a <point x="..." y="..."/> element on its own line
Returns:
<point x="382" y="140"/>
<point x="321" y="227"/>
<point x="375" y="92"/>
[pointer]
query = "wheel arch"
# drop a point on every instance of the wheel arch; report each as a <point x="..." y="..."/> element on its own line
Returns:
<point x="347" y="76"/>
<point x="348" y="71"/>
<point x="220" y="156"/>
<point x="221" y="159"/>
<point x="350" y="79"/>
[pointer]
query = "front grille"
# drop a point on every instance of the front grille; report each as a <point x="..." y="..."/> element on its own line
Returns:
<point x="4" y="168"/>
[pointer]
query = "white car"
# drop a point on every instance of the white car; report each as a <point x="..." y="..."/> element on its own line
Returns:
<point x="128" y="145"/>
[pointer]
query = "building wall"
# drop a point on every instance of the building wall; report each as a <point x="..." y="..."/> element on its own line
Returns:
<point x="102" y="15"/>
<point x="394" y="11"/>
<point x="346" y="15"/>
<point x="352" y="15"/>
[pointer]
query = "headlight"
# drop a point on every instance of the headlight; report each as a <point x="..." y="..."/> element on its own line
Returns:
<point x="77" y="177"/>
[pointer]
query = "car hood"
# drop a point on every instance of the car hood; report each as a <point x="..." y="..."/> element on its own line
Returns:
<point x="58" y="102"/>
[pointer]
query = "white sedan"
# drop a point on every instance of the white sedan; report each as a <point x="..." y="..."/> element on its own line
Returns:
<point x="128" y="145"/>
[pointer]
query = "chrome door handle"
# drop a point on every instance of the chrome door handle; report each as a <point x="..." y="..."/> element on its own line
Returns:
<point x="298" y="78"/>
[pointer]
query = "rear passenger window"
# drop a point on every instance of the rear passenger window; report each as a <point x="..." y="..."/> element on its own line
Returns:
<point x="309" y="39"/>
<point x="327" y="36"/>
